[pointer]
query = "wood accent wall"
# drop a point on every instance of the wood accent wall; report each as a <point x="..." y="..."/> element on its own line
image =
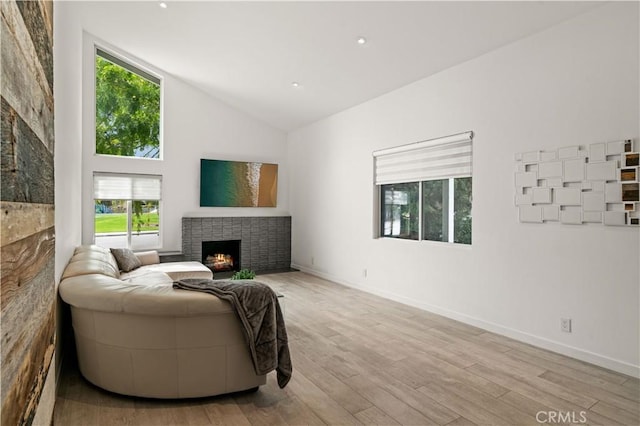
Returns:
<point x="27" y="290"/>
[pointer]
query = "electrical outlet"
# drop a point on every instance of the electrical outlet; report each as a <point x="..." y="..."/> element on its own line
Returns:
<point x="364" y="273"/>
<point x="565" y="325"/>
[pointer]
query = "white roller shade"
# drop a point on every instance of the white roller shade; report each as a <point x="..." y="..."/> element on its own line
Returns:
<point x="108" y="186"/>
<point x="440" y="158"/>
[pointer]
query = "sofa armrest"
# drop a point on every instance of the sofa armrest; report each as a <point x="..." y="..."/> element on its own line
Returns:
<point x="148" y="257"/>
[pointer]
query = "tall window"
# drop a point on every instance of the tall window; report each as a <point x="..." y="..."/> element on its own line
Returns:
<point x="127" y="109"/>
<point x="425" y="190"/>
<point x="127" y="210"/>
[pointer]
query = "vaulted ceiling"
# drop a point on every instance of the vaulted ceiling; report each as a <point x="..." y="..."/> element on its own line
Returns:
<point x="249" y="54"/>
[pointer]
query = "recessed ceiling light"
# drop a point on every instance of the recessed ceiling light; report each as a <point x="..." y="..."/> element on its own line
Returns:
<point x="163" y="5"/>
<point x="361" y="40"/>
<point x="295" y="84"/>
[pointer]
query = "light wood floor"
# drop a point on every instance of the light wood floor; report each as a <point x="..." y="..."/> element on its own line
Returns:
<point x="360" y="359"/>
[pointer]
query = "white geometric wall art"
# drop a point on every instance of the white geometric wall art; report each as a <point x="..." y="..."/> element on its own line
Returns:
<point x="573" y="170"/>
<point x="593" y="201"/>
<point x="614" y="218"/>
<point x="597" y="183"/>
<point x="592" y="217"/>
<point x="551" y="213"/>
<point x="531" y="214"/>
<point x="571" y="216"/>
<point x="549" y="169"/>
<point x="541" y="195"/>
<point x="567" y="196"/>
<point x="597" y="152"/>
<point x="605" y="171"/>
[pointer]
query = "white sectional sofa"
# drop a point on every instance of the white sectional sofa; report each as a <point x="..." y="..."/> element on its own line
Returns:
<point x="137" y="335"/>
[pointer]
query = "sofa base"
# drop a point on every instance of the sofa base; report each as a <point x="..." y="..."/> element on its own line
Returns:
<point x="163" y="357"/>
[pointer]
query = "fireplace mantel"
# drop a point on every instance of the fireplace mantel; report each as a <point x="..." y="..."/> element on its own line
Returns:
<point x="265" y="240"/>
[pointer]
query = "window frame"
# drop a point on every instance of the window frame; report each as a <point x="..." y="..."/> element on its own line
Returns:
<point x="142" y="71"/>
<point x="383" y="207"/>
<point x="129" y="202"/>
<point x="450" y="212"/>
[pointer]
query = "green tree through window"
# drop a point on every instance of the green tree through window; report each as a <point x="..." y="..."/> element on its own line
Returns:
<point x="127" y="111"/>
<point x="462" y="206"/>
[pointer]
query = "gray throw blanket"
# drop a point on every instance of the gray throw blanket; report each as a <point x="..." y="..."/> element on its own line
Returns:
<point x="258" y="308"/>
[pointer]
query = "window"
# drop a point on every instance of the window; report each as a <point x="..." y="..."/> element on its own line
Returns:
<point x="127" y="210"/>
<point x="127" y="109"/>
<point x="400" y="210"/>
<point x="425" y="190"/>
<point x="446" y="210"/>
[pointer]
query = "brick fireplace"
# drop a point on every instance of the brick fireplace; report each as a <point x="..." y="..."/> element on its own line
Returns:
<point x="264" y="242"/>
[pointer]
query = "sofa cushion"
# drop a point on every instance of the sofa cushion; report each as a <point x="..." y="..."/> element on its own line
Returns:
<point x="89" y="266"/>
<point x="126" y="258"/>
<point x="175" y="270"/>
<point x="148" y="278"/>
<point x="92" y="259"/>
<point x="181" y="270"/>
<point x="148" y="257"/>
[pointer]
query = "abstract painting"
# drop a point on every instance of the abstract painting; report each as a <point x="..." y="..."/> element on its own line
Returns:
<point x="238" y="184"/>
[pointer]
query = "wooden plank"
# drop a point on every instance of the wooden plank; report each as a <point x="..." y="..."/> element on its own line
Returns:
<point x="261" y="407"/>
<point x="629" y="393"/>
<point x="494" y="405"/>
<point x="26" y="165"/>
<point x="594" y="392"/>
<point x="33" y="15"/>
<point x="467" y="409"/>
<point x="23" y="318"/>
<point x="19" y="220"/>
<point x="500" y="359"/>
<point x="225" y="412"/>
<point x="392" y="383"/>
<point x="585" y="367"/>
<point x="556" y="397"/>
<point x="22" y="261"/>
<point x="385" y="401"/>
<point x="615" y="413"/>
<point x="632" y="383"/>
<point x="33" y="350"/>
<point x="461" y="421"/>
<point x="421" y="370"/>
<point x="375" y="416"/>
<point x="322" y="404"/>
<point x="343" y="394"/>
<point x="23" y="82"/>
<point x="525" y="404"/>
<point x="147" y="412"/>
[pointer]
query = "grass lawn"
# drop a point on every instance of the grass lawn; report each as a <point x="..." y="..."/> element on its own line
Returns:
<point x="117" y="222"/>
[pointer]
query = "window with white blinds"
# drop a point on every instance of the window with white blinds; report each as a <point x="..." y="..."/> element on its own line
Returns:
<point x="424" y="190"/>
<point x="110" y="186"/>
<point x="127" y="210"/>
<point x="447" y="157"/>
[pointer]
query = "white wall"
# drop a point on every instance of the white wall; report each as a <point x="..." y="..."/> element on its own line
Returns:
<point x="576" y="83"/>
<point x="195" y="126"/>
<point x="67" y="42"/>
<point x="68" y="132"/>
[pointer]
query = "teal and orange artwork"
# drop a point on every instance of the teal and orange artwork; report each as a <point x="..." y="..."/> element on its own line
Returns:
<point x="238" y="184"/>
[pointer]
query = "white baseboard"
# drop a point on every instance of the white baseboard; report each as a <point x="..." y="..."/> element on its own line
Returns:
<point x="542" y="342"/>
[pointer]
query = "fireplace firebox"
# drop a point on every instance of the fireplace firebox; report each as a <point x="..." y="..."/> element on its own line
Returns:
<point x="221" y="256"/>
